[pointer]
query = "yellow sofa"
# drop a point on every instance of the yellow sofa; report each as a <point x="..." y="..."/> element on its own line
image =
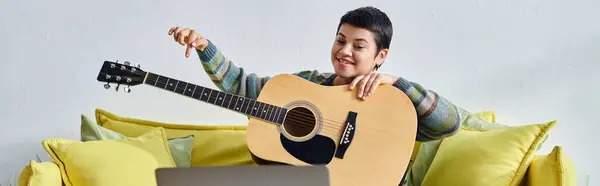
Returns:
<point x="471" y="157"/>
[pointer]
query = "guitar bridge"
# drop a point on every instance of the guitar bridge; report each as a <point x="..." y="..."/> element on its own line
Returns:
<point x="347" y="135"/>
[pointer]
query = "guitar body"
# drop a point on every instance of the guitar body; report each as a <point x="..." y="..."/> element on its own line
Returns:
<point x="379" y="132"/>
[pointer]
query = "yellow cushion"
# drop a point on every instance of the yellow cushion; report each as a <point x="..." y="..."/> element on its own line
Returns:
<point x="493" y="157"/>
<point x="213" y="144"/>
<point x="424" y="152"/>
<point x="554" y="169"/>
<point x="130" y="161"/>
<point x="487" y="115"/>
<point x="40" y="174"/>
<point x="180" y="148"/>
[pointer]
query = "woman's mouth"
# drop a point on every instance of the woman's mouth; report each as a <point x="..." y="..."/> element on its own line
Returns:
<point x="344" y="61"/>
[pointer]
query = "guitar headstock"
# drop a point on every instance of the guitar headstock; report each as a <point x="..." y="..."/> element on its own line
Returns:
<point x="121" y="74"/>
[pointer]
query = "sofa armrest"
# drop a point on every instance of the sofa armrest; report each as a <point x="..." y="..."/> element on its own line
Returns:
<point x="40" y="174"/>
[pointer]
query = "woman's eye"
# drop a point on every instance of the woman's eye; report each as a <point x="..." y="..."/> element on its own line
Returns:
<point x="340" y="41"/>
<point x="359" y="47"/>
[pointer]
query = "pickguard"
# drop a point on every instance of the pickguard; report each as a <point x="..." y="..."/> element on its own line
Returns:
<point x="317" y="150"/>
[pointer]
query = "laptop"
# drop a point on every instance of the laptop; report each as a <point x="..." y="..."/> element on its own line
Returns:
<point x="247" y="175"/>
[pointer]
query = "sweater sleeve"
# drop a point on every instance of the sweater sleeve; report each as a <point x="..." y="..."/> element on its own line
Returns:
<point x="229" y="77"/>
<point x="437" y="117"/>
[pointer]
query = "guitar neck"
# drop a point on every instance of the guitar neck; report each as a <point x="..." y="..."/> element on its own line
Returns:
<point x="243" y="105"/>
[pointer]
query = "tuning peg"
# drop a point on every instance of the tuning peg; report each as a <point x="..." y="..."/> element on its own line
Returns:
<point x="117" y="88"/>
<point x="137" y="65"/>
<point x="106" y="86"/>
<point x="126" y="63"/>
<point x="127" y="89"/>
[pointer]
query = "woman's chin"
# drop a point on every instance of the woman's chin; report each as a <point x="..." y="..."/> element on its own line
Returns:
<point x="344" y="74"/>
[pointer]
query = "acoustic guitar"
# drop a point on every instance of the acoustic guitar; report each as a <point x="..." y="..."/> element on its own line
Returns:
<point x="300" y="123"/>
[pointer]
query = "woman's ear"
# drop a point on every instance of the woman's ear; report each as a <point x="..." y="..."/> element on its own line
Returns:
<point x="380" y="58"/>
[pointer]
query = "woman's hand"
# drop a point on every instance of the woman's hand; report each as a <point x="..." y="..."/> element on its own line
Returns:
<point x="189" y="37"/>
<point x="367" y="84"/>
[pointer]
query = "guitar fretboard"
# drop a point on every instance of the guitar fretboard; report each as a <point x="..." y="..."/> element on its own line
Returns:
<point x="246" y="106"/>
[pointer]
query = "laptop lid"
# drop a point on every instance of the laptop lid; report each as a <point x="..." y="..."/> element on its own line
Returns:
<point x="263" y="175"/>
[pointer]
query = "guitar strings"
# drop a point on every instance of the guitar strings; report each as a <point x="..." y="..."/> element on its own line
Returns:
<point x="335" y="124"/>
<point x="329" y="127"/>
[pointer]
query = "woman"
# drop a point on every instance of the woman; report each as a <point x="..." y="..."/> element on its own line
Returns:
<point x="360" y="48"/>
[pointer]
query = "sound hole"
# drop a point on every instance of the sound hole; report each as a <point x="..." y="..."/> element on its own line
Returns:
<point x="299" y="122"/>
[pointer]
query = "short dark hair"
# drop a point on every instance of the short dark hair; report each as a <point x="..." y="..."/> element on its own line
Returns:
<point x="372" y="19"/>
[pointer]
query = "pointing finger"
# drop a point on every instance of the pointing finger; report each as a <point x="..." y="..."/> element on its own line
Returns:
<point x="172" y="30"/>
<point x="188" y="50"/>
<point x="176" y="33"/>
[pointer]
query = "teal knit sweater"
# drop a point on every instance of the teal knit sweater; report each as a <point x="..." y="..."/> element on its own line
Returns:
<point x="437" y="117"/>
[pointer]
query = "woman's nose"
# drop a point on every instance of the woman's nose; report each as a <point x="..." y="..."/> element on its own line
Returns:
<point x="346" y="50"/>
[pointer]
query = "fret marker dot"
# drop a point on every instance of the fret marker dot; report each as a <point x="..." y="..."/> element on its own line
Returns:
<point x="254" y="108"/>
<point x="171" y="84"/>
<point x="219" y="98"/>
<point x="237" y="108"/>
<point x="264" y="111"/>
<point x="205" y="94"/>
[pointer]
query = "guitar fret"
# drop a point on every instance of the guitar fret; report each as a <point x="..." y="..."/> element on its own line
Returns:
<point x="189" y="91"/>
<point x="276" y="114"/>
<point x="277" y="110"/>
<point x="265" y="115"/>
<point x="267" y="112"/>
<point x="250" y="106"/>
<point x="257" y="109"/>
<point x="151" y="79"/>
<point x="281" y="116"/>
<point x="246" y="105"/>
<point x="238" y="103"/>
<point x="253" y="108"/>
<point x="204" y="95"/>
<point x="169" y="85"/>
<point x="228" y="99"/>
<point x="178" y="88"/>
<point x="210" y="98"/>
<point x="196" y="95"/>
<point x="161" y="82"/>
<point x="182" y="86"/>
<point x="219" y="99"/>
<point x="261" y="110"/>
<point x="158" y="76"/>
<point x="270" y="118"/>
<point x="185" y="88"/>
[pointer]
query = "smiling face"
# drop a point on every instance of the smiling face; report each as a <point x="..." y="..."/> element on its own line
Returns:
<point x="354" y="52"/>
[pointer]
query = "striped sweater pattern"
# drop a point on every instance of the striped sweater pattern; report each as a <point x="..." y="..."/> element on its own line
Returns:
<point x="437" y="117"/>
